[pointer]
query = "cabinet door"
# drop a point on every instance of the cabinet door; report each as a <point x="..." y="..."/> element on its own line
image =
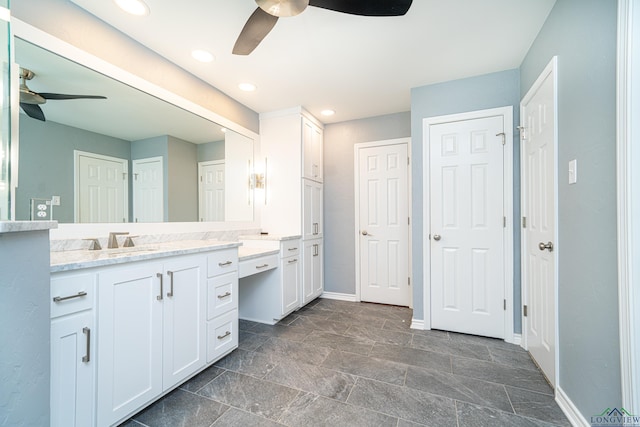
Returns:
<point x="184" y="335"/>
<point x="312" y="209"/>
<point x="318" y="269"/>
<point x="311" y="272"/>
<point x="130" y="303"/>
<point x="312" y="150"/>
<point x="290" y="267"/>
<point x="72" y="370"/>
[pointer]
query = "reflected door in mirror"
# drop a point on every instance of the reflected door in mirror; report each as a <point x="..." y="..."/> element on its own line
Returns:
<point x="101" y="188"/>
<point x="148" y="190"/>
<point x="211" y="190"/>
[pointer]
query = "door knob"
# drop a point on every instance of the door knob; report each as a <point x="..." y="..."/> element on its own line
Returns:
<point x="542" y="246"/>
<point x="365" y="233"/>
<point x="436" y="237"/>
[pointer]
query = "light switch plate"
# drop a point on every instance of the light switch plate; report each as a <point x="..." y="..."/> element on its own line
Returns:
<point x="55" y="200"/>
<point x="573" y="171"/>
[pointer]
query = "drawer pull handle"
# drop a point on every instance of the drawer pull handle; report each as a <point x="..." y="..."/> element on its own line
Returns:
<point x="224" y="264"/>
<point x="226" y="294"/>
<point x="262" y="266"/>
<point x="291" y="261"/>
<point x="87" y="357"/>
<point x="78" y="295"/>
<point x="292" y="249"/>
<point x="226" y="334"/>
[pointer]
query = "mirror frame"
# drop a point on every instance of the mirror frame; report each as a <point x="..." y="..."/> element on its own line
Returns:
<point x="66" y="50"/>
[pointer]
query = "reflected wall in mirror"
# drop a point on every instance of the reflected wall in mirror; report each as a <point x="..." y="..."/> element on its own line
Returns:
<point x="130" y="157"/>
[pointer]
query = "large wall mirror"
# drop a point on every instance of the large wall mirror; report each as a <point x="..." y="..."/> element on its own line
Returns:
<point x="131" y="157"/>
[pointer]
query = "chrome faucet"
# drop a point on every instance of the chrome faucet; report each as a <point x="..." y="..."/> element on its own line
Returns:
<point x="113" y="241"/>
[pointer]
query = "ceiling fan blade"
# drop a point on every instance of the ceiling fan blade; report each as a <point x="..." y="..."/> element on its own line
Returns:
<point x="33" y="110"/>
<point x="257" y="27"/>
<point x="59" y="96"/>
<point x="365" y="7"/>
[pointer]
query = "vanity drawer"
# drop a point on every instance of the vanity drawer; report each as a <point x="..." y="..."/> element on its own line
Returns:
<point x="222" y="294"/>
<point x="222" y="335"/>
<point x="257" y="265"/>
<point x="290" y="248"/>
<point x="221" y="262"/>
<point x="71" y="293"/>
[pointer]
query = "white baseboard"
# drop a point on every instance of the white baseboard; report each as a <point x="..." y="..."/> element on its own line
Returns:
<point x="339" y="296"/>
<point x="417" y="324"/>
<point x="517" y="339"/>
<point x="573" y="414"/>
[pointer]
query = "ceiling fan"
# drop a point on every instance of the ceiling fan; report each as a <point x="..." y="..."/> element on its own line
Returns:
<point x="268" y="12"/>
<point x="30" y="101"/>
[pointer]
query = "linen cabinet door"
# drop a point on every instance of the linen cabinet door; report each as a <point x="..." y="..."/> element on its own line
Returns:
<point x="184" y="335"/>
<point x="130" y="303"/>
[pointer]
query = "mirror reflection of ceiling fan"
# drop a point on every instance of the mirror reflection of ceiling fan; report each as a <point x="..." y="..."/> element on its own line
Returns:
<point x="30" y="101"/>
<point x="269" y="11"/>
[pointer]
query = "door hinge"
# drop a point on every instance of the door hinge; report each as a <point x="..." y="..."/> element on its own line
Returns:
<point x="407" y="161"/>
<point x="524" y="222"/>
<point x="524" y="310"/>
<point x="504" y="304"/>
<point x="124" y="176"/>
<point x="408" y="220"/>
<point x="504" y="222"/>
<point x="135" y="176"/>
<point x="522" y="134"/>
<point x="504" y="137"/>
<point x="409" y="281"/>
<point x="200" y="178"/>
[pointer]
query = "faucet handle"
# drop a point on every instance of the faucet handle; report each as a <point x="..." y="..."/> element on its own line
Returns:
<point x="95" y="244"/>
<point x="128" y="242"/>
<point x="113" y="241"/>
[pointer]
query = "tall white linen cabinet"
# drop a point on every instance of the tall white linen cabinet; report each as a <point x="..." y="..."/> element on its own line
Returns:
<point x="291" y="147"/>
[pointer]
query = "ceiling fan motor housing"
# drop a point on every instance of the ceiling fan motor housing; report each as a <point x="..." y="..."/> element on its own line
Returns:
<point x="283" y="8"/>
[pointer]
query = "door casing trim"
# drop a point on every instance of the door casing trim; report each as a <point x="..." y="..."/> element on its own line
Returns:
<point x="507" y="114"/>
<point x="356" y="188"/>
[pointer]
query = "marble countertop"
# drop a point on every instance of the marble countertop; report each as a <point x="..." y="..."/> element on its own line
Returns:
<point x="78" y="259"/>
<point x="275" y="237"/>
<point x="18" y="226"/>
<point x="246" y="253"/>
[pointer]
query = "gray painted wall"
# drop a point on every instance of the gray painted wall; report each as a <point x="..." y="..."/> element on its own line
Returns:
<point x="458" y="96"/>
<point x="182" y="175"/>
<point x="211" y="151"/>
<point x="46" y="162"/>
<point x="339" y="209"/>
<point x="25" y="363"/>
<point x="583" y="35"/>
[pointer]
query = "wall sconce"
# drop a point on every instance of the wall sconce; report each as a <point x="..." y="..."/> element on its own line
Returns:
<point x="258" y="180"/>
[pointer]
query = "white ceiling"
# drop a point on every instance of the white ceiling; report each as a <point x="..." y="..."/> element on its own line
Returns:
<point x="358" y="66"/>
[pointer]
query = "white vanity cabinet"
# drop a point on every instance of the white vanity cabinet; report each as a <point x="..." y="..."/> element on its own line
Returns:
<point x="222" y="303"/>
<point x="72" y="349"/>
<point x="268" y="296"/>
<point x="152" y="331"/>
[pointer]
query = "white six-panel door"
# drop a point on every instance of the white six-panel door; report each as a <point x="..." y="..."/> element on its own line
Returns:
<point x="467" y="226"/>
<point x="383" y="224"/>
<point x="101" y="188"/>
<point x="211" y="190"/>
<point x="538" y="207"/>
<point x="148" y="190"/>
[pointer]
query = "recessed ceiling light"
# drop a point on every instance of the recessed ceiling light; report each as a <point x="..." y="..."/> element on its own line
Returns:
<point x="223" y="130"/>
<point x="327" y="112"/>
<point x="134" y="7"/>
<point x="247" y="87"/>
<point x="202" y="55"/>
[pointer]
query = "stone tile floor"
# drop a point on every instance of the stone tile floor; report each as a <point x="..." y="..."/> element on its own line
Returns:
<point x="335" y="363"/>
